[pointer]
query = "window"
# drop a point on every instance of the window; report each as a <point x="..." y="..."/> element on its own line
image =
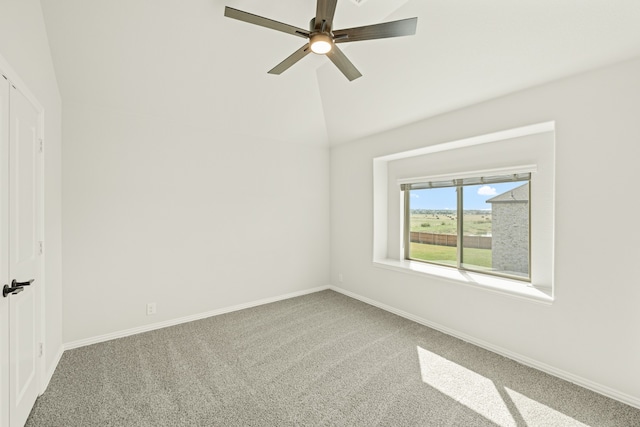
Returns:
<point x="529" y="150"/>
<point x="479" y="224"/>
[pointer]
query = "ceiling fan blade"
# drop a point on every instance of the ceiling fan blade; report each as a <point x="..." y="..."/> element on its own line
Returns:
<point x="292" y="59"/>
<point x="403" y="27"/>
<point x="342" y="62"/>
<point x="324" y="12"/>
<point x="264" y="22"/>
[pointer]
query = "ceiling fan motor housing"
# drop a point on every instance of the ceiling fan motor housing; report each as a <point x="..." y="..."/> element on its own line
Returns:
<point x="322" y="27"/>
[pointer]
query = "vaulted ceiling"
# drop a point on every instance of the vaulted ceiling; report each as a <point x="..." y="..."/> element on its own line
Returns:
<point x="182" y="60"/>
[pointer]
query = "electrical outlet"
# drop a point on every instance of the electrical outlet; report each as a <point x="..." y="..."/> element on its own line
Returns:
<point x="151" y="308"/>
<point x="340" y="278"/>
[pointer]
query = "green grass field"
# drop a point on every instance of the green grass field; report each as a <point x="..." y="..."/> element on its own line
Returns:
<point x="476" y="224"/>
<point x="447" y="255"/>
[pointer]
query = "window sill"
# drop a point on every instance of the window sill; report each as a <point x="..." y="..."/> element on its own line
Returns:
<point x="500" y="285"/>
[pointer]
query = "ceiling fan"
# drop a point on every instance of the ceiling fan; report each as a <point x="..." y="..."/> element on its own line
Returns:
<point x="323" y="38"/>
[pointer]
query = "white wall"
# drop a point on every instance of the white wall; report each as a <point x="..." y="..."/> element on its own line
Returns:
<point x="192" y="219"/>
<point x="591" y="329"/>
<point x="25" y="48"/>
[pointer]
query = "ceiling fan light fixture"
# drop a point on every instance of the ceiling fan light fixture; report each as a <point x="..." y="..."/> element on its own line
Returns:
<point x="321" y="43"/>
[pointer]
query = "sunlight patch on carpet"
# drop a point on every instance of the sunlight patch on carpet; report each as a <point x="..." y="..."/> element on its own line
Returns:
<point x="465" y="387"/>
<point x="496" y="403"/>
<point x="533" y="411"/>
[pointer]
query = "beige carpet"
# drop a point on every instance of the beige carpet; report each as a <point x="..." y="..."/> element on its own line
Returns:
<point x="319" y="360"/>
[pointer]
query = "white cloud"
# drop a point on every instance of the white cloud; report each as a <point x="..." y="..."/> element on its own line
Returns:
<point x="486" y="190"/>
<point x="417" y="196"/>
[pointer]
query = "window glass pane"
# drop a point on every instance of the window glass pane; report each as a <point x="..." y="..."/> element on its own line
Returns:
<point x="495" y="226"/>
<point x="433" y="225"/>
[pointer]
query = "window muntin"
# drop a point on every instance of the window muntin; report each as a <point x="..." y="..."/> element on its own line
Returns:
<point x="479" y="224"/>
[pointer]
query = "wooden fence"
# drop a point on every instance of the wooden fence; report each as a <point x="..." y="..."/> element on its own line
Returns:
<point x="474" y="242"/>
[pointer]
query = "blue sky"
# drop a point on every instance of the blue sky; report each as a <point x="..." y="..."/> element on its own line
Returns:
<point x="475" y="196"/>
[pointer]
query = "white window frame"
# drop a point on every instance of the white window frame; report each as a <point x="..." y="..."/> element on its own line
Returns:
<point x="456" y="182"/>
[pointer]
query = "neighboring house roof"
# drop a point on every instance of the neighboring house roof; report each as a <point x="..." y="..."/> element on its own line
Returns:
<point x="518" y="194"/>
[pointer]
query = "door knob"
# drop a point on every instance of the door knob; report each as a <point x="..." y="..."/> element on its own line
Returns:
<point x="15" y="283"/>
<point x="15" y="288"/>
<point x="6" y="290"/>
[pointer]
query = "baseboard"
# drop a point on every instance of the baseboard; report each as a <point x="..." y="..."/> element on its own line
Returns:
<point x="49" y="374"/>
<point x="173" y="322"/>
<point x="568" y="376"/>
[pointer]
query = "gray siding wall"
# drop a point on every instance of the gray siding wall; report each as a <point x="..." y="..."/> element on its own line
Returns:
<point x="510" y="243"/>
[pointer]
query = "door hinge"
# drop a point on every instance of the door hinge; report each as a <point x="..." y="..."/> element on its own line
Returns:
<point x="41" y="350"/>
<point x="41" y="247"/>
<point x="41" y="145"/>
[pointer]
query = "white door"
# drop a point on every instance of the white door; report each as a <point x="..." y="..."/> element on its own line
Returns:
<point x="4" y="250"/>
<point x="23" y="256"/>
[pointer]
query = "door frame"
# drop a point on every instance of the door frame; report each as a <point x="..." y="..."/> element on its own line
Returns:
<point x="40" y="290"/>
